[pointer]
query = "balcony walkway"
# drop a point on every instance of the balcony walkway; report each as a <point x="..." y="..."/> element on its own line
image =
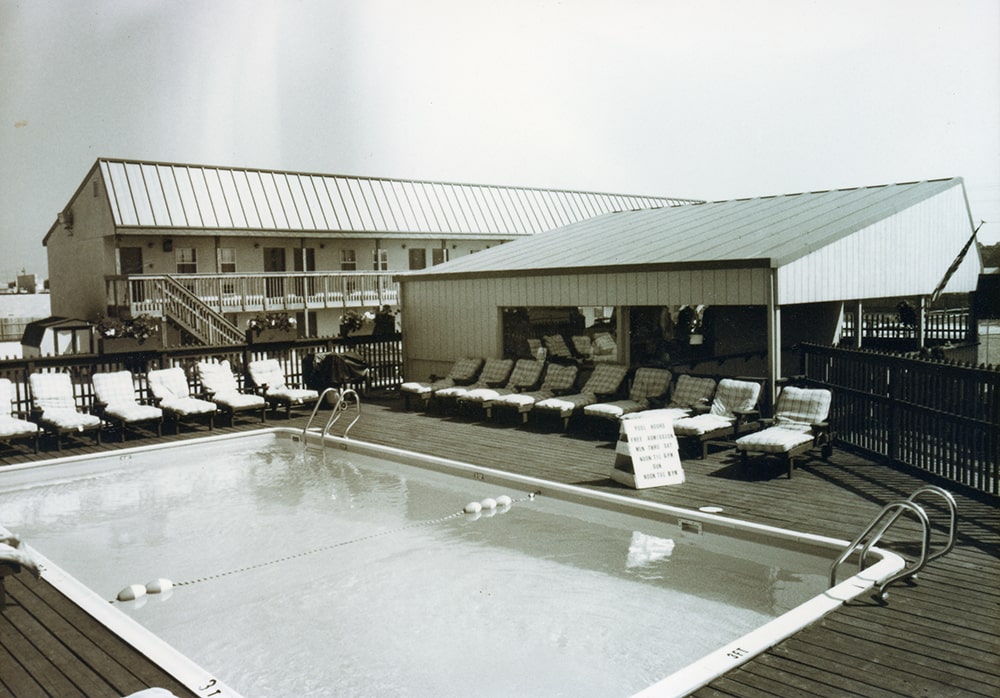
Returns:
<point x="939" y="637"/>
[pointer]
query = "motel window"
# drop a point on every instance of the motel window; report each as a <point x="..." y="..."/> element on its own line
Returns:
<point x="439" y="255"/>
<point x="348" y="260"/>
<point x="187" y="260"/>
<point x="380" y="260"/>
<point x="227" y="260"/>
<point x="418" y="258"/>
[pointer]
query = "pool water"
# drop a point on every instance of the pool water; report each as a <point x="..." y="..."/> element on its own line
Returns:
<point x="333" y="573"/>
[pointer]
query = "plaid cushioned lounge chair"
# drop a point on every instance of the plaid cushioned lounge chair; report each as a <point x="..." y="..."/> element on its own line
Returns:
<point x="559" y="380"/>
<point x="494" y="374"/>
<point x="648" y="384"/>
<point x="220" y="386"/>
<point x="527" y="374"/>
<point x="604" y="382"/>
<point x="53" y="404"/>
<point x="462" y="372"/>
<point x="114" y="399"/>
<point x="799" y="425"/>
<point x="690" y="394"/>
<point x="170" y="389"/>
<point x="12" y="428"/>
<point x="269" y="378"/>
<point x="734" y="404"/>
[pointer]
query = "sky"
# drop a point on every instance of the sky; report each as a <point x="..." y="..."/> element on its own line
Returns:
<point x="713" y="100"/>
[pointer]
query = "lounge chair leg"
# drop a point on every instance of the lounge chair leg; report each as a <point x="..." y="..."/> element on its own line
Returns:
<point x="565" y="423"/>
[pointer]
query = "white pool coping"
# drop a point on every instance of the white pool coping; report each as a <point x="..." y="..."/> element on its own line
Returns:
<point x="680" y="683"/>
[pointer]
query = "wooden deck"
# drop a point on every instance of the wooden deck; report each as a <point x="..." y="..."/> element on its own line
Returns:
<point x="937" y="637"/>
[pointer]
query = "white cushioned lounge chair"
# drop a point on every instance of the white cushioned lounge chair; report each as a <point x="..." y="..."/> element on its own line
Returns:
<point x="734" y="405"/>
<point x="114" y="399"/>
<point x="172" y="393"/>
<point x="799" y="425"/>
<point x="494" y="374"/>
<point x="269" y="378"/>
<point x="220" y="386"/>
<point x="54" y="407"/>
<point x="527" y="374"/>
<point x="559" y="379"/>
<point x="603" y="383"/>
<point x="12" y="428"/>
<point x="647" y="385"/>
<point x="463" y="372"/>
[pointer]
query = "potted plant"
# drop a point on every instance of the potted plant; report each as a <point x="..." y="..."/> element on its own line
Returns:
<point x="351" y="321"/>
<point x="271" y="327"/>
<point x="141" y="333"/>
<point x="689" y="325"/>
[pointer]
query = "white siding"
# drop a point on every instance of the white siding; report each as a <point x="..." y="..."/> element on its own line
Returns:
<point x="903" y="255"/>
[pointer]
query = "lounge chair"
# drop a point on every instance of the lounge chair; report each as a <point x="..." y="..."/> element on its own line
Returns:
<point x="54" y="407"/>
<point x="219" y="385"/>
<point x="527" y="375"/>
<point x="269" y="378"/>
<point x="559" y="379"/>
<point x="734" y="405"/>
<point x="690" y="395"/>
<point x="799" y="425"/>
<point x="603" y="383"/>
<point x="648" y="385"/>
<point x="494" y="374"/>
<point x="463" y="372"/>
<point x="114" y="399"/>
<point x="12" y="428"/>
<point x="170" y="389"/>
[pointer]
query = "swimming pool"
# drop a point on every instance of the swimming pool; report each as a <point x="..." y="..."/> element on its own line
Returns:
<point x="353" y="570"/>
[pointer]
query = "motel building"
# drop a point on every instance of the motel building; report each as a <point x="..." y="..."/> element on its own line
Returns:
<point x="206" y="248"/>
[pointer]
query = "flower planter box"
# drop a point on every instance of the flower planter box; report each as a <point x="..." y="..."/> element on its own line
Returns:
<point x="130" y="345"/>
<point x="271" y="335"/>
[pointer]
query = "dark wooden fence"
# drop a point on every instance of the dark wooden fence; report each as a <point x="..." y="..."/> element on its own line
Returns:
<point x="940" y="417"/>
<point x="382" y="354"/>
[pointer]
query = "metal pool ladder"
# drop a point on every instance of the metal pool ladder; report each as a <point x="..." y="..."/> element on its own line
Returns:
<point x="341" y="406"/>
<point x="886" y="518"/>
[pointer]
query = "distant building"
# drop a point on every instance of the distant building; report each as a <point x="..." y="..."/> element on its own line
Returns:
<point x="27" y="283"/>
<point x="207" y="247"/>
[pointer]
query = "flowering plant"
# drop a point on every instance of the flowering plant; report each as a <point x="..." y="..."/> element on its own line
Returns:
<point x="141" y="327"/>
<point x="270" y="321"/>
<point x="352" y="320"/>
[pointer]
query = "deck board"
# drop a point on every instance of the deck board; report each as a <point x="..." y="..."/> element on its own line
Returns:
<point x="939" y="636"/>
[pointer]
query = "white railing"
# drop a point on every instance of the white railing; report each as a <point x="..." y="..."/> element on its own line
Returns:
<point x="259" y="292"/>
<point x="187" y="310"/>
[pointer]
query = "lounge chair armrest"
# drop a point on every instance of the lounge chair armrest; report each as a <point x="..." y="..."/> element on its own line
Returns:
<point x="701" y="409"/>
<point x="24" y="414"/>
<point x="566" y="391"/>
<point x="743" y="416"/>
<point x="495" y="384"/>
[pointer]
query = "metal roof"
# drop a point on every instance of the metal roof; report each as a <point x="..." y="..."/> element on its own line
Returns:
<point x="765" y="231"/>
<point x="196" y="197"/>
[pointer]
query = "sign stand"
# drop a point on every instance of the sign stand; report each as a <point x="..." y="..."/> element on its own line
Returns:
<point x="647" y="454"/>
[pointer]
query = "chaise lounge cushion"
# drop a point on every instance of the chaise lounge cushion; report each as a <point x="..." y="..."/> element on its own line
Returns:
<point x="267" y="374"/>
<point x="526" y="373"/>
<point x="797" y="411"/>
<point x="648" y="383"/>
<point x="116" y="392"/>
<point x="220" y="384"/>
<point x="605" y="380"/>
<point x="462" y="372"/>
<point x="558" y="378"/>
<point x="494" y="373"/>
<point x="731" y="397"/>
<point x="52" y="394"/>
<point x="170" y="387"/>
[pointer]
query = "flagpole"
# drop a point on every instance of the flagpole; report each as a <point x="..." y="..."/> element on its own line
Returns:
<point x="955" y="264"/>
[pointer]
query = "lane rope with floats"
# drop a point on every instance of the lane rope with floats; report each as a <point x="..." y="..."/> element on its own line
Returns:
<point x="472" y="510"/>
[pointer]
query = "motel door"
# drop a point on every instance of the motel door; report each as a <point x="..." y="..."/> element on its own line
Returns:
<point x="305" y="260"/>
<point x="274" y="261"/>
<point x="130" y="262"/>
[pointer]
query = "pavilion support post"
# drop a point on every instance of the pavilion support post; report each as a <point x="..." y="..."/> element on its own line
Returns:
<point x="922" y="322"/>
<point x="859" y="309"/>
<point x="773" y="339"/>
